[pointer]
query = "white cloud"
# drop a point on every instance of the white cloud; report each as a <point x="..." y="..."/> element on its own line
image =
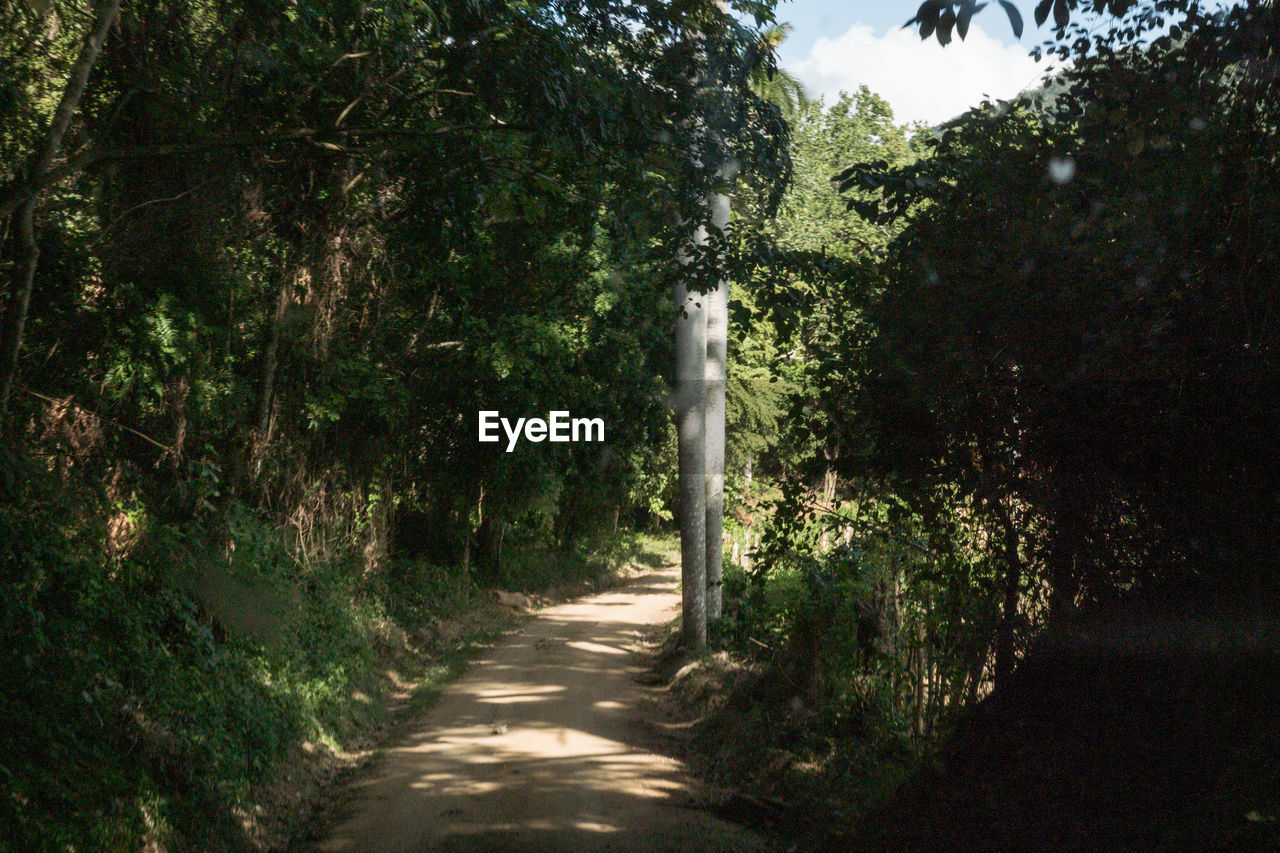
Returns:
<point x="921" y="80"/>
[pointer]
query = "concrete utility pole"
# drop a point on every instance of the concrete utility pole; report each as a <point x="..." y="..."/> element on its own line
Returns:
<point x="717" y="306"/>
<point x="701" y="352"/>
<point x="691" y="408"/>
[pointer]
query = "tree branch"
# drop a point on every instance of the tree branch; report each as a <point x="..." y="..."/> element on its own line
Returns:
<point x="19" y="299"/>
<point x="70" y="401"/>
<point x="18" y="192"/>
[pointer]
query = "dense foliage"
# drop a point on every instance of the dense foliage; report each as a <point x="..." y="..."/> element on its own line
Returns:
<point x="1075" y="332"/>
<point x="1031" y="370"/>
<point x="265" y="263"/>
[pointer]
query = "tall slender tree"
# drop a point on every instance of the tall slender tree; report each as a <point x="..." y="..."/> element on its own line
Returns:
<point x="19" y="302"/>
<point x="776" y="85"/>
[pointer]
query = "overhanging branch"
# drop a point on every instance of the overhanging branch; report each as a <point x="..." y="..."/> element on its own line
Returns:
<point x="18" y="192"/>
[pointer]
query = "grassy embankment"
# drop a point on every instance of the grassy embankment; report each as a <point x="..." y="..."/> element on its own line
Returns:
<point x="202" y="693"/>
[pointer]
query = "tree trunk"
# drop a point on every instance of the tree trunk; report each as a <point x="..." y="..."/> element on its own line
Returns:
<point x="20" y="293"/>
<point x="918" y="691"/>
<point x="1063" y="572"/>
<point x="19" y="303"/>
<point x="488" y="554"/>
<point x="829" y="482"/>
<point x="691" y="409"/>
<point x="1009" y="605"/>
<point x="270" y="364"/>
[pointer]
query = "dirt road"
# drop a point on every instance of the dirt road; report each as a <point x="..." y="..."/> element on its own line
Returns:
<point x="541" y="747"/>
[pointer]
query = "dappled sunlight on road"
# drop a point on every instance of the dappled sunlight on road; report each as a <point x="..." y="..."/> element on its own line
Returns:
<point x="540" y="747"/>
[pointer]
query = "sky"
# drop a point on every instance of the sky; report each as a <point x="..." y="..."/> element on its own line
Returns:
<point x="838" y="44"/>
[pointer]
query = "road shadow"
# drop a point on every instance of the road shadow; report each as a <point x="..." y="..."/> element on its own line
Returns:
<point x="542" y="746"/>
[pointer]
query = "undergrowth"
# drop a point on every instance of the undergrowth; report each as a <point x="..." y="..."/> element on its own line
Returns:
<point x="824" y="750"/>
<point x="529" y="569"/>
<point x="148" y="697"/>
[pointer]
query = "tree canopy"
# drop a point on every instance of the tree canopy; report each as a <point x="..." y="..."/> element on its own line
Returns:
<point x="264" y="264"/>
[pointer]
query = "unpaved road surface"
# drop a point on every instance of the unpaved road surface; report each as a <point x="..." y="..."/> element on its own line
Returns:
<point x="541" y="747"/>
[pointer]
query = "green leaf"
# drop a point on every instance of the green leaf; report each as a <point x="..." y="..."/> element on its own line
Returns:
<point x="1015" y="17"/>
<point x="1061" y="14"/>
<point x="1042" y="12"/>
<point x="945" y="24"/>
<point x="926" y="16"/>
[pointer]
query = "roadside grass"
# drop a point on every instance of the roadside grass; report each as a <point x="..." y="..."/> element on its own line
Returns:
<point x="464" y="619"/>
<point x="195" y="694"/>
<point x="447" y="669"/>
<point x="771" y="757"/>
<point x="537" y="570"/>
